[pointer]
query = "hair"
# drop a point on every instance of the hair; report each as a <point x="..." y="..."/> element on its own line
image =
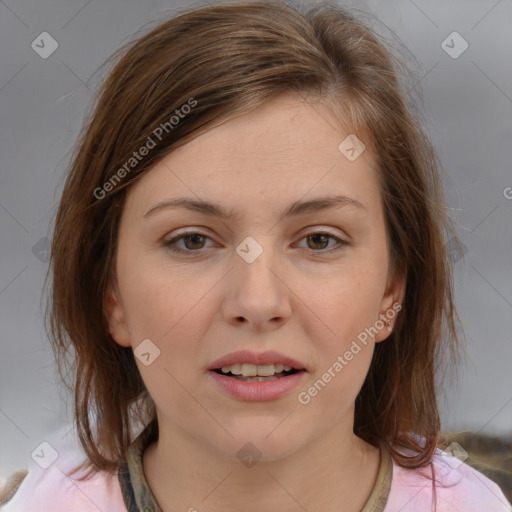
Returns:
<point x="223" y="61"/>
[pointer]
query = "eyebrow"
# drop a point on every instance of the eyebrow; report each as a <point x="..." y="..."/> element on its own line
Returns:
<point x="294" y="210"/>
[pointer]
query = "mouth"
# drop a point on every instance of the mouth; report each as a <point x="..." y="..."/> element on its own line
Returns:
<point x="256" y="383"/>
<point x="252" y="373"/>
<point x="255" y="377"/>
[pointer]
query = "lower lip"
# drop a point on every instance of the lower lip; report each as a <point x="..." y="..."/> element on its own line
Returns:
<point x="257" y="391"/>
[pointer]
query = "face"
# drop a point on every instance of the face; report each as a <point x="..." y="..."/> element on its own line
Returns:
<point x="310" y="285"/>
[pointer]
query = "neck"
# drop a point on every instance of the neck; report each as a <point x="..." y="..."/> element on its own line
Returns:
<point x="335" y="472"/>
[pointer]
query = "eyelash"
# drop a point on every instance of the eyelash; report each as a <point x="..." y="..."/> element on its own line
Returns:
<point x="171" y="244"/>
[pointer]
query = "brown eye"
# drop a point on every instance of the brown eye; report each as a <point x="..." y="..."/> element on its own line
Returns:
<point x="192" y="242"/>
<point x="197" y="241"/>
<point x="319" y="242"/>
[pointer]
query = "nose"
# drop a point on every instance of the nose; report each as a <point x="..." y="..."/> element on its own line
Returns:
<point x="256" y="292"/>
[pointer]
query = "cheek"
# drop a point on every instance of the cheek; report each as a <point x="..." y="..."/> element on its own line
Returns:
<point x="175" y="319"/>
<point x="349" y="301"/>
<point x="161" y="299"/>
<point x="345" y="356"/>
<point x="168" y="386"/>
<point x="343" y="364"/>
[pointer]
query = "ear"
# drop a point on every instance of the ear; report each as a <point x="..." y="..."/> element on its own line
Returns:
<point x="116" y="318"/>
<point x="391" y="304"/>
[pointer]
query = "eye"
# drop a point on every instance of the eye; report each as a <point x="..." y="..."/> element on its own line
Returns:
<point x="320" y="241"/>
<point x="194" y="241"/>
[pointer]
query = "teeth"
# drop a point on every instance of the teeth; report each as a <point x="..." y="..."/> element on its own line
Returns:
<point x="236" y="369"/>
<point x="255" y="379"/>
<point x="252" y="370"/>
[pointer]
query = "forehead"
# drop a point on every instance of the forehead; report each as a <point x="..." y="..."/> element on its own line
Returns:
<point x="285" y="149"/>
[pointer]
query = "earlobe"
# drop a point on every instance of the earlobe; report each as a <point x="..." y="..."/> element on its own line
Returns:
<point x="116" y="319"/>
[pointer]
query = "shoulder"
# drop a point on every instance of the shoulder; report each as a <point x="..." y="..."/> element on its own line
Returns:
<point x="51" y="490"/>
<point x="457" y="487"/>
<point x="54" y="490"/>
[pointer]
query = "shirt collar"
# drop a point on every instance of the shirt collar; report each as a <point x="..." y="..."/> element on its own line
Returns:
<point x="379" y="496"/>
<point x="136" y="492"/>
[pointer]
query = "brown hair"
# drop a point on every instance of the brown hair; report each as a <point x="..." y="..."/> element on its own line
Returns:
<point x="227" y="60"/>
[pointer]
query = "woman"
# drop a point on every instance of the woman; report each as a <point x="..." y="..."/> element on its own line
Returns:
<point x="249" y="260"/>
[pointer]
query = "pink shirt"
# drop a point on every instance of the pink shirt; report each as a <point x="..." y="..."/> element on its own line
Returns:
<point x="459" y="488"/>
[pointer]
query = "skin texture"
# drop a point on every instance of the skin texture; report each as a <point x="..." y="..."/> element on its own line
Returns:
<point x="300" y="297"/>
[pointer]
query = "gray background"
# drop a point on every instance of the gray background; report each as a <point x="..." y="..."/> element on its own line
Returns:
<point x="468" y="103"/>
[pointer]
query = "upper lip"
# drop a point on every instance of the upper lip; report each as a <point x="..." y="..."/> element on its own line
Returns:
<point x="262" y="358"/>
